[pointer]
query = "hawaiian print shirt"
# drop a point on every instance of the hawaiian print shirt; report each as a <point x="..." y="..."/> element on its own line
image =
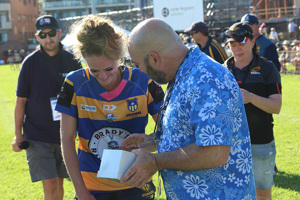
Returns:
<point x="205" y="106"/>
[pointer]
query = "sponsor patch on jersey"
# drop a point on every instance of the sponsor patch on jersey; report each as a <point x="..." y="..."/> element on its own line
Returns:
<point x="109" y="107"/>
<point x="107" y="138"/>
<point x="88" y="108"/>
<point x="256" y="69"/>
<point x="132" y="104"/>
<point x="110" y="117"/>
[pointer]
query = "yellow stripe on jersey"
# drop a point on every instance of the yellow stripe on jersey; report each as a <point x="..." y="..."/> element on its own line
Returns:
<point x="97" y="110"/>
<point x="83" y="145"/>
<point x="69" y="82"/>
<point x="87" y="71"/>
<point x="93" y="183"/>
<point x="211" y="53"/>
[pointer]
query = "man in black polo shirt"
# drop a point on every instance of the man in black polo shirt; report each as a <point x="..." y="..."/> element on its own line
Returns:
<point x="209" y="46"/>
<point x="36" y="123"/>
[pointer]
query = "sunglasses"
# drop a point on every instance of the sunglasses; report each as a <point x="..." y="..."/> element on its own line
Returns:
<point x="239" y="32"/>
<point x="43" y="35"/>
<point x="192" y="33"/>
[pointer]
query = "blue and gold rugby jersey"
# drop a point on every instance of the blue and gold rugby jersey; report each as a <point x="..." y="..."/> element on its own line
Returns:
<point x="105" y="118"/>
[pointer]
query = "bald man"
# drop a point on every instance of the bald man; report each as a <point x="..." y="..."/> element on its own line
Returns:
<point x="204" y="147"/>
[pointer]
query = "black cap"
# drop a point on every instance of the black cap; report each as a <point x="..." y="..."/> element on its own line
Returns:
<point x="198" y="27"/>
<point x="239" y="32"/>
<point x="44" y="22"/>
<point x="250" y="19"/>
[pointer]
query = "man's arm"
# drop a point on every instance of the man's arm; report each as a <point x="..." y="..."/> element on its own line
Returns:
<point x="68" y="133"/>
<point x="189" y="158"/>
<point x="19" y="117"/>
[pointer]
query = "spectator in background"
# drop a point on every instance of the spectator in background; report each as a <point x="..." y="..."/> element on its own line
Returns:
<point x="261" y="89"/>
<point x="263" y="30"/>
<point x="189" y="42"/>
<point x="199" y="32"/>
<point x="265" y="47"/>
<point x="17" y="59"/>
<point x="10" y="59"/>
<point x="295" y="46"/>
<point x="292" y="26"/>
<point x="286" y="55"/>
<point x="273" y="35"/>
<point x="22" y="54"/>
<point x="40" y="79"/>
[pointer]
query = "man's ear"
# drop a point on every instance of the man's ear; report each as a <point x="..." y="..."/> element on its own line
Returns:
<point x="59" y="34"/>
<point x="154" y="58"/>
<point x="37" y="37"/>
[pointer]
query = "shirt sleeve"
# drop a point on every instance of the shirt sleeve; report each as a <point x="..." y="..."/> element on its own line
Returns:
<point x="272" y="55"/>
<point x="23" y="85"/>
<point x="66" y="102"/>
<point x="272" y="80"/>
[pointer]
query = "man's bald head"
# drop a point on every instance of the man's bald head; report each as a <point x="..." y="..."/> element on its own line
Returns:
<point x="157" y="49"/>
<point x="153" y="35"/>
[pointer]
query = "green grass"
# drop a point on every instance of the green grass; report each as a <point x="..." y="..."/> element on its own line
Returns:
<point x="15" y="183"/>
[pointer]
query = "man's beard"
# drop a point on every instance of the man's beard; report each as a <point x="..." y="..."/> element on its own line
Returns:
<point x="158" y="77"/>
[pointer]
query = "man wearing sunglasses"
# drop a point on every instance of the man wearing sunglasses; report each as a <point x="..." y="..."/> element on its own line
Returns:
<point x="199" y="32"/>
<point x="265" y="47"/>
<point x="36" y="123"/>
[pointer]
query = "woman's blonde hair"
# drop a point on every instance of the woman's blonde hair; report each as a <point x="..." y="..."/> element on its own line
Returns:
<point x="96" y="35"/>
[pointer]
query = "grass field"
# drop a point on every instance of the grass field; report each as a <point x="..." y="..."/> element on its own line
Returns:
<point x="15" y="181"/>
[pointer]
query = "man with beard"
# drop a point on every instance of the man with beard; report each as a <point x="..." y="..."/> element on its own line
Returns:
<point x="36" y="122"/>
<point x="204" y="150"/>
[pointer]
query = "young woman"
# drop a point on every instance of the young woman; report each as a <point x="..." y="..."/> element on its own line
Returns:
<point x="104" y="104"/>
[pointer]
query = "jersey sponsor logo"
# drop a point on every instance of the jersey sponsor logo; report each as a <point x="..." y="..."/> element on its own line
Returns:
<point x="107" y="138"/>
<point x="256" y="70"/>
<point x="109" y="107"/>
<point x="132" y="104"/>
<point x="110" y="117"/>
<point x="88" y="108"/>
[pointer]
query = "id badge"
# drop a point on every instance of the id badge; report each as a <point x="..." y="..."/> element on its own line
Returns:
<point x="55" y="115"/>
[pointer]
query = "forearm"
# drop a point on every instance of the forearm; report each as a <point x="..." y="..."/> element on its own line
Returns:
<point x="72" y="164"/>
<point x="269" y="105"/>
<point x="19" y="114"/>
<point x="68" y="133"/>
<point x="193" y="157"/>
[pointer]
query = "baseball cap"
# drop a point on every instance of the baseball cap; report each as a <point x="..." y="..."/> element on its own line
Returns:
<point x="239" y="32"/>
<point x="198" y="27"/>
<point x="250" y="19"/>
<point x="44" y="22"/>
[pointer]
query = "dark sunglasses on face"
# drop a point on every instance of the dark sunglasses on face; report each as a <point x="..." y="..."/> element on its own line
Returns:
<point x="192" y="33"/>
<point x="239" y="32"/>
<point x="43" y="35"/>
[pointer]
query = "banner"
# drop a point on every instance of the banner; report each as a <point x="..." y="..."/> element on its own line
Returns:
<point x="179" y="14"/>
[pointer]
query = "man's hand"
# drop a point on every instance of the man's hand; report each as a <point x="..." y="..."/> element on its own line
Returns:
<point x="141" y="170"/>
<point x="15" y="144"/>
<point x="140" y="141"/>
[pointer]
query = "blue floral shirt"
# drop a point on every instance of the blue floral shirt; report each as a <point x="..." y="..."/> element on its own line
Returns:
<point x="205" y="107"/>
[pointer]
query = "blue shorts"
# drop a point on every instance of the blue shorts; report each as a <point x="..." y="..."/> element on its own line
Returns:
<point x="145" y="193"/>
<point x="45" y="161"/>
<point x="263" y="157"/>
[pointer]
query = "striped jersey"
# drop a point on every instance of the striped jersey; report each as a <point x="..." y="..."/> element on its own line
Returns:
<point x="214" y="50"/>
<point x="105" y="119"/>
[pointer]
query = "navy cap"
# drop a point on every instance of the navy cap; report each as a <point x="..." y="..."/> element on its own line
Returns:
<point x="250" y="19"/>
<point x="239" y="32"/>
<point x="44" y="22"/>
<point x="198" y="27"/>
